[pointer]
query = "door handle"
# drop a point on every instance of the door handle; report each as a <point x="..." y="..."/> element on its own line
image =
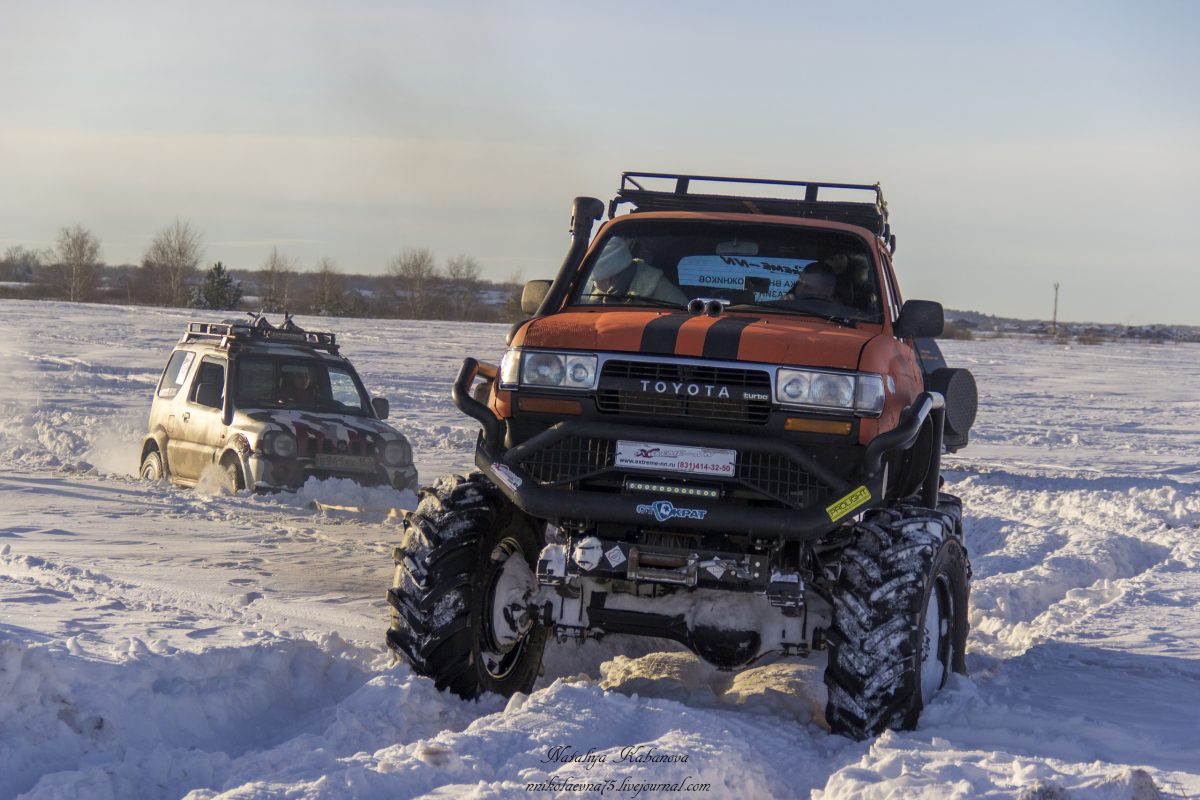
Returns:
<point x="187" y="415"/>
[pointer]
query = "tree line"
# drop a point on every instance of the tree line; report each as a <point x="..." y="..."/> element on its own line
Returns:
<point x="414" y="283"/>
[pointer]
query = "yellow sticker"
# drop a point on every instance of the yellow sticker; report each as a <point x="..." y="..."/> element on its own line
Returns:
<point x="848" y="503"/>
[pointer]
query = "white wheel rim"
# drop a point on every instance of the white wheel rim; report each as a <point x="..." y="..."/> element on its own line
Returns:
<point x="514" y="582"/>
<point x="933" y="654"/>
<point x="513" y="579"/>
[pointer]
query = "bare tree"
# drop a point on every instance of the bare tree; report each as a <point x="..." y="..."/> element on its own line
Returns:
<point x="462" y="274"/>
<point x="278" y="271"/>
<point x="76" y="266"/>
<point x="327" y="298"/>
<point x="414" y="272"/>
<point x="171" y="260"/>
<point x="463" y="269"/>
<point x="22" y="264"/>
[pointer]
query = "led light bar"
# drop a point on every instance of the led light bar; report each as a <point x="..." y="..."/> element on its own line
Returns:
<point x="677" y="489"/>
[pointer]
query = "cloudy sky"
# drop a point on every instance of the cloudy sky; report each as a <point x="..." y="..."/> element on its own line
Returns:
<point x="1018" y="144"/>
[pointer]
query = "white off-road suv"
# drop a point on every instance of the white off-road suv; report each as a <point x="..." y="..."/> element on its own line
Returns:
<point x="268" y="407"/>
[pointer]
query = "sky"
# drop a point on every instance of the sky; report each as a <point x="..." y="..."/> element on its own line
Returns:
<point x="1018" y="144"/>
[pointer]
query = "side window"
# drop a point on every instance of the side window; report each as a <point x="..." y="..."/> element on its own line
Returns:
<point x="344" y="390"/>
<point x="255" y="381"/>
<point x="209" y="387"/>
<point x="176" y="373"/>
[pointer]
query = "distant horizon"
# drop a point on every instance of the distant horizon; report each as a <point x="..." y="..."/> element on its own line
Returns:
<point x="441" y="258"/>
<point x="949" y="311"/>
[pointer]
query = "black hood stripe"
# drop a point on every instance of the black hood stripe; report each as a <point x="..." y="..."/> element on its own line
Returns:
<point x="724" y="337"/>
<point x="659" y="335"/>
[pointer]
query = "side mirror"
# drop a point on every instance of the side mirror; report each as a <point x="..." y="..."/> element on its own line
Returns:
<point x="532" y="296"/>
<point x="919" y="319"/>
<point x="380" y="404"/>
<point x="209" y="394"/>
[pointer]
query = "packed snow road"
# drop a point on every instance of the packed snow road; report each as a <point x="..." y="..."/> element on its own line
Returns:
<point x="158" y="642"/>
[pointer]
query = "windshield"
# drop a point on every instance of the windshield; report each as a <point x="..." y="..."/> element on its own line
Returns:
<point x="782" y="268"/>
<point x="298" y="383"/>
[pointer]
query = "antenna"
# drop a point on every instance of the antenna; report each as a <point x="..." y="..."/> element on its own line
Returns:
<point x="1054" y="321"/>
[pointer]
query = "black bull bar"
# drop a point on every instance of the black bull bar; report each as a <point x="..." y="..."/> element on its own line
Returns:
<point x="503" y="469"/>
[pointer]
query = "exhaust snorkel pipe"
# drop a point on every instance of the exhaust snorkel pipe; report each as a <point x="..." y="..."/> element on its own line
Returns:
<point x="584" y="212"/>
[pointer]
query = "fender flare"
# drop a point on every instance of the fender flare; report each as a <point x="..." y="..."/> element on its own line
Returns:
<point x="156" y="440"/>
<point x="237" y="448"/>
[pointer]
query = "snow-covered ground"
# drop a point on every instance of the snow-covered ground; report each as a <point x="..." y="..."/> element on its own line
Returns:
<point x="156" y="642"/>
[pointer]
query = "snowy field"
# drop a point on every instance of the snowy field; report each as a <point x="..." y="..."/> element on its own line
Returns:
<point x="160" y="643"/>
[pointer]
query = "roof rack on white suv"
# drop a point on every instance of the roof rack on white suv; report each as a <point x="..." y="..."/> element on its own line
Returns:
<point x="259" y="329"/>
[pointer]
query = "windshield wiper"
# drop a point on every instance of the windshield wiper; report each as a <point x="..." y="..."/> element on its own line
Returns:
<point x="844" y="321"/>
<point x="639" y="298"/>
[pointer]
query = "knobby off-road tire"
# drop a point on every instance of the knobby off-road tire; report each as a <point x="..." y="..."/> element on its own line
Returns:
<point x="448" y="563"/>
<point x="899" y="618"/>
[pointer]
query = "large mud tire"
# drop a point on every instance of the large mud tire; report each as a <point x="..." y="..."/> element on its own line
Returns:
<point x="447" y="565"/>
<point x="899" y="618"/>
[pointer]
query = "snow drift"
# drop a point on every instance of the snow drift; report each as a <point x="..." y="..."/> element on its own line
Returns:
<point x="162" y="643"/>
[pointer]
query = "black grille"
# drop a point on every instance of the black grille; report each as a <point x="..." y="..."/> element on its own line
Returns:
<point x="780" y="479"/>
<point x="627" y="387"/>
<point x="310" y="443"/>
<point x="569" y="460"/>
<point x="774" y="478"/>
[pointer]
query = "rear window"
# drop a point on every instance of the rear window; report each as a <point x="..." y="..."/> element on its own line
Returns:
<point x="175" y="375"/>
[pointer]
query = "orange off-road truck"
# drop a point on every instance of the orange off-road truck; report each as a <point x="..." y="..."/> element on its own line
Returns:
<point x="721" y="425"/>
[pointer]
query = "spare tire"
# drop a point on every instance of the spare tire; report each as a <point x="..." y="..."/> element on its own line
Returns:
<point x="962" y="403"/>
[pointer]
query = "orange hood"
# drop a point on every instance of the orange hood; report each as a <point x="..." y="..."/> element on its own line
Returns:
<point x="736" y="336"/>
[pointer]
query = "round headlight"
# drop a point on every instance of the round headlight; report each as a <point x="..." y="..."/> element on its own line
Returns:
<point x="580" y="373"/>
<point x="281" y="445"/>
<point x="796" y="388"/>
<point x="395" y="453"/>
<point x="833" y="390"/>
<point x="544" y="369"/>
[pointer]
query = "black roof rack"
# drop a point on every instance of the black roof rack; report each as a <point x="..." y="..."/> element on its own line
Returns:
<point x="870" y="215"/>
<point x="258" y="329"/>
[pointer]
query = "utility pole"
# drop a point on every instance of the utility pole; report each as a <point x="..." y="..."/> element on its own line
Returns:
<point x="1054" y="323"/>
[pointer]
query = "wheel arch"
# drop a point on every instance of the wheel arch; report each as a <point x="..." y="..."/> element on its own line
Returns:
<point x="234" y="454"/>
<point x="155" y="442"/>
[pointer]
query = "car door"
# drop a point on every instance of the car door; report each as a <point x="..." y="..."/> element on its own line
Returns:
<point x="170" y="401"/>
<point x="201" y="423"/>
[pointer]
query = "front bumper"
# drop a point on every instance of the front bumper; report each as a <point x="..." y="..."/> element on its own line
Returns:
<point x="267" y="473"/>
<point x="865" y="489"/>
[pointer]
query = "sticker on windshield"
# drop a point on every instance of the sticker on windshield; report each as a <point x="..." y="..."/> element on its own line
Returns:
<point x="729" y="273"/>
